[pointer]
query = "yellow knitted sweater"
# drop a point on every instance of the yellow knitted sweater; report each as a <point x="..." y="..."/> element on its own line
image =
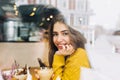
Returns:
<point x="69" y="69"/>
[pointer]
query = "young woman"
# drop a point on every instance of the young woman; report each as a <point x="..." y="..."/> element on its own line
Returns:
<point x="67" y="51"/>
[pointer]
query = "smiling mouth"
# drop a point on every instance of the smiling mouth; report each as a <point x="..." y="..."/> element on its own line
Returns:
<point x="60" y="47"/>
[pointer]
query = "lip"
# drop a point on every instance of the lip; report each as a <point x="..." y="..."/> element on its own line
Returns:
<point x="60" y="46"/>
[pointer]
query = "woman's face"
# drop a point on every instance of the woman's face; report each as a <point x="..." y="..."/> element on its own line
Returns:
<point x="60" y="35"/>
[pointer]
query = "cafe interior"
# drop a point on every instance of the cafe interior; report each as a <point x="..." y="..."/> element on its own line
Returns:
<point x="24" y="45"/>
<point x="23" y="39"/>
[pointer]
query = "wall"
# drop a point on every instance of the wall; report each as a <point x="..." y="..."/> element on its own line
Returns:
<point x="23" y="53"/>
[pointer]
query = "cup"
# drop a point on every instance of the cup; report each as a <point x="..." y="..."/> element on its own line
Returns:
<point x="45" y="73"/>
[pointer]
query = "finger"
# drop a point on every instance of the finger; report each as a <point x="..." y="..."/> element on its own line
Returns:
<point x="64" y="47"/>
<point x="71" y="47"/>
<point x="67" y="47"/>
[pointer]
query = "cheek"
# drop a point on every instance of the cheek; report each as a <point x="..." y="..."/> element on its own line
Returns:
<point x="68" y="40"/>
<point x="54" y="40"/>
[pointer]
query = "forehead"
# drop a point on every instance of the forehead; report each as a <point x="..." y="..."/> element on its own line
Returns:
<point x="58" y="26"/>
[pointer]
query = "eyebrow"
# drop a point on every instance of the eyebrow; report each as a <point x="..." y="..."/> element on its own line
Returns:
<point x="62" y="31"/>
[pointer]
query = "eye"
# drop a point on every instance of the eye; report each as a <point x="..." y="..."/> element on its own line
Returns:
<point x="65" y="33"/>
<point x="55" y="34"/>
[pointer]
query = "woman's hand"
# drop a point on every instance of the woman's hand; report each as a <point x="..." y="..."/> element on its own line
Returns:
<point x="65" y="50"/>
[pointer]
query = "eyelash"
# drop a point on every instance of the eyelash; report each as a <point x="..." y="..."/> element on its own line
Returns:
<point x="54" y="34"/>
<point x="64" y="34"/>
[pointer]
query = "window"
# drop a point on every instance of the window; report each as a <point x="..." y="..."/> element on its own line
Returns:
<point x="67" y="17"/>
<point x="80" y="5"/>
<point x="62" y="4"/>
<point x="78" y="20"/>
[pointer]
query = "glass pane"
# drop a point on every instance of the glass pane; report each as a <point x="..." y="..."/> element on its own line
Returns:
<point x="24" y="22"/>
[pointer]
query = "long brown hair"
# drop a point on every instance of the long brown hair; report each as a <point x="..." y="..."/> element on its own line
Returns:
<point x="77" y="39"/>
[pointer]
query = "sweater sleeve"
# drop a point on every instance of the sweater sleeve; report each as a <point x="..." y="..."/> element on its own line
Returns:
<point x="58" y="65"/>
<point x="70" y="69"/>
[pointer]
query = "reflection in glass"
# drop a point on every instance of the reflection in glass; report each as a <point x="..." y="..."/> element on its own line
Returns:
<point x="24" y="22"/>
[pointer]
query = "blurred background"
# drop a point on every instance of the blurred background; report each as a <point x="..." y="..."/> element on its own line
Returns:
<point x="88" y="16"/>
<point x="24" y="22"/>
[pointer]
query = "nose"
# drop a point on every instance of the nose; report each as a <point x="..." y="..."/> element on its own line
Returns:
<point x="59" y="38"/>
